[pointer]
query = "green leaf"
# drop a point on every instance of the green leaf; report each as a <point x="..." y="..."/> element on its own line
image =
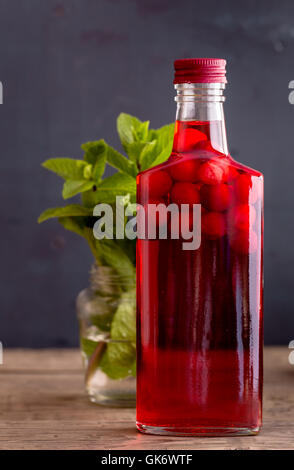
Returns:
<point x="142" y="145"/>
<point x="102" y="321"/>
<point x="118" y="184"/>
<point x="164" y="142"/>
<point x="90" y="198"/>
<point x="118" y="161"/>
<point x="161" y="158"/>
<point x="134" y="150"/>
<point x="129" y="248"/>
<point x="88" y="172"/>
<point x="73" y="187"/>
<point x="123" y="325"/>
<point x="113" y="370"/>
<point x="142" y="131"/>
<point x="164" y="135"/>
<point x="93" y="150"/>
<point x="148" y="154"/>
<point x="120" y="356"/>
<point x="67" y="168"/>
<point x="127" y="128"/>
<point x="134" y="369"/>
<point x="88" y="346"/>
<point x="99" y="167"/>
<point x="112" y="255"/>
<point x="70" y="210"/>
<point x="95" y="154"/>
<point x="113" y="365"/>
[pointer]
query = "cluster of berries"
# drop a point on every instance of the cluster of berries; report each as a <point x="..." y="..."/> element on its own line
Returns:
<point x="227" y="195"/>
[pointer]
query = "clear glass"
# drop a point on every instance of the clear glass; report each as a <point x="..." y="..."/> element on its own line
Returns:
<point x="106" y="313"/>
<point x="199" y="312"/>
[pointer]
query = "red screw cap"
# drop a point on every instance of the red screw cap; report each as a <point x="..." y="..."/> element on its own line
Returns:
<point x="200" y="71"/>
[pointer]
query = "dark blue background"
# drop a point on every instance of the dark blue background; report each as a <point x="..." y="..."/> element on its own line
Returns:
<point x="68" y="68"/>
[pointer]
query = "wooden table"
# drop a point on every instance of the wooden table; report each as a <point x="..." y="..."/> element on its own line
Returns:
<point x="43" y="406"/>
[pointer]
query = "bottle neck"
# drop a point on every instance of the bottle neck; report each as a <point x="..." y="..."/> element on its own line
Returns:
<point x="200" y="107"/>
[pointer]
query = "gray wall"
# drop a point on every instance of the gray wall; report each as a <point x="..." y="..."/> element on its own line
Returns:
<point x="68" y="68"/>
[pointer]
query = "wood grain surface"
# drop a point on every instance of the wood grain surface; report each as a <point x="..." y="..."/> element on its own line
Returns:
<point x="43" y="406"/>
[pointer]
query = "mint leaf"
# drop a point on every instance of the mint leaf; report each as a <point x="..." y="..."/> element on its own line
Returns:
<point x="113" y="370"/>
<point x="67" y="168"/>
<point x="127" y="128"/>
<point x="102" y="321"/>
<point x="112" y="255"/>
<point x="161" y="158"/>
<point x="148" y="154"/>
<point x="134" y="369"/>
<point x="134" y="150"/>
<point x="142" y="145"/>
<point x="95" y="154"/>
<point x="87" y="173"/>
<point x="70" y="210"/>
<point x="162" y="150"/>
<point x="90" y="198"/>
<point x="164" y="135"/>
<point x="99" y="167"/>
<point x="73" y="187"/>
<point x="123" y="325"/>
<point x="118" y="161"/>
<point x="88" y="346"/>
<point x="93" y="150"/>
<point x="118" y="184"/>
<point x="120" y="356"/>
<point x="141" y="133"/>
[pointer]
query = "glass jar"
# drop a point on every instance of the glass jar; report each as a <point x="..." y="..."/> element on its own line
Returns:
<point x="107" y="321"/>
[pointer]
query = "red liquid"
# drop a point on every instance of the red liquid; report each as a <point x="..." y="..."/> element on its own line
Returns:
<point x="199" y="323"/>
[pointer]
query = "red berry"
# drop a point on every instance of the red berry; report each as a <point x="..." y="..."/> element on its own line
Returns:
<point x="216" y="197"/>
<point x="213" y="224"/>
<point x="211" y="172"/>
<point x="159" y="183"/>
<point x="205" y="145"/>
<point x="198" y="186"/>
<point x="185" y="170"/>
<point x="243" y="241"/>
<point x="246" y="191"/>
<point x="241" y="217"/>
<point x="187" y="139"/>
<point x="230" y="172"/>
<point x="185" y="193"/>
<point x="157" y="201"/>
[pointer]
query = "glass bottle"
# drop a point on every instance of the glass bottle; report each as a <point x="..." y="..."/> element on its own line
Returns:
<point x="199" y="311"/>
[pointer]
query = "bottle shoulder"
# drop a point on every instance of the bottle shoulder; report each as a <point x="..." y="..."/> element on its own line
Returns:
<point x="215" y="180"/>
<point x="244" y="168"/>
<point x="190" y="161"/>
